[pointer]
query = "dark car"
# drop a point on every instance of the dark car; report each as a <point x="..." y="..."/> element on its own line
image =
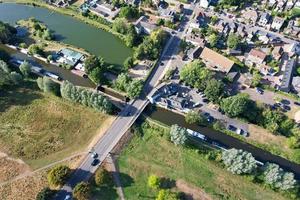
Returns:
<point x="232" y="128"/>
<point x="297" y="103"/>
<point x="205" y="100"/>
<point x="210" y="119"/>
<point x="285" y="107"/>
<point x="95" y="162"/>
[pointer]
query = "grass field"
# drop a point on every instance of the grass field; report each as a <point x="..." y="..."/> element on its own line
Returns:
<point x="154" y="154"/>
<point x="41" y="128"/>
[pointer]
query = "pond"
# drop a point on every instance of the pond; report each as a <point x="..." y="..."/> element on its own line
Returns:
<point x="70" y="31"/>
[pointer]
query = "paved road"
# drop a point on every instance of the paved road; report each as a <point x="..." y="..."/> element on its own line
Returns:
<point x="125" y="119"/>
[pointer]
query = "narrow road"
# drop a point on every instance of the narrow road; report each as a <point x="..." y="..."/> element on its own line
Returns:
<point x="126" y="117"/>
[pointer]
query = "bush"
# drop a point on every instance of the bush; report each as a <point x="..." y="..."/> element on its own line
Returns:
<point x="82" y="191"/>
<point x="58" y="175"/>
<point x="45" y="194"/>
<point x="35" y="49"/>
<point x="134" y="88"/>
<point x="166" y="195"/>
<point x="16" y="78"/>
<point x="128" y="63"/>
<point x="193" y="117"/>
<point x="154" y="182"/>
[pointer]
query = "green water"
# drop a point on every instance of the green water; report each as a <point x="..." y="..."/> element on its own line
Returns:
<point x="71" y="31"/>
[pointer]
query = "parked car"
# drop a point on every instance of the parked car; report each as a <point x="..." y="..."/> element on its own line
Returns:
<point x="232" y="128"/>
<point x="259" y="90"/>
<point x="205" y="100"/>
<point x="297" y="103"/>
<point x="285" y="107"/>
<point x="68" y="197"/>
<point x="242" y="132"/>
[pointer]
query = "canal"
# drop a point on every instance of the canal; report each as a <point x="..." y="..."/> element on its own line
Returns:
<point x="61" y="72"/>
<point x="70" y="31"/>
<point x="169" y="118"/>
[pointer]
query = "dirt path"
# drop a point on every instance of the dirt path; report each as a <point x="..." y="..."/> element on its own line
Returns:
<point x="192" y="192"/>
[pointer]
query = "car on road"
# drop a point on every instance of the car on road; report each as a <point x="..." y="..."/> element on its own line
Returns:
<point x="259" y="90"/>
<point x="95" y="162"/>
<point x="94" y="155"/>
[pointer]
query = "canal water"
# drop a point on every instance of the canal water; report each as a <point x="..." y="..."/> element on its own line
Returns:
<point x="71" y="31"/>
<point x="169" y="118"/>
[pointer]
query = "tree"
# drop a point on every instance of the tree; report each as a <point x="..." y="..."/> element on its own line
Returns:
<point x="102" y="177"/>
<point x="128" y="63"/>
<point x="47" y="35"/>
<point x="122" y="82"/>
<point x="178" y="135"/>
<point x="120" y="25"/>
<point x="129" y="12"/>
<point x="48" y="85"/>
<point x="7" y="32"/>
<point x="4" y="66"/>
<point x="35" y="49"/>
<point x="154" y="182"/>
<point x="15" y="78"/>
<point x="293" y="142"/>
<point x="82" y="191"/>
<point x="193" y="117"/>
<point x="166" y="195"/>
<point x="93" y="62"/>
<point x="233" y="41"/>
<point x="213" y="40"/>
<point x="239" y="161"/>
<point x="277" y="178"/>
<point x="135" y="88"/>
<point x="96" y="75"/>
<point x="58" y="175"/>
<point x="195" y="74"/>
<point x="25" y="69"/>
<point x="235" y="105"/>
<point x="214" y="90"/>
<point x="257" y="77"/>
<point x="45" y="194"/>
<point x="272" y="119"/>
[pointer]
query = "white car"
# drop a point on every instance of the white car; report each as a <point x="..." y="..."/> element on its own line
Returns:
<point x="94" y="155"/>
<point x="68" y="197"/>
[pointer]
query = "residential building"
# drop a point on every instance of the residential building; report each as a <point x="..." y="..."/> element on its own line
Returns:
<point x="196" y="40"/>
<point x="277" y="23"/>
<point x="292" y="49"/>
<point x="194" y="53"/>
<point x="256" y="56"/>
<point x="69" y="56"/>
<point x="287" y="76"/>
<point x="216" y="61"/>
<point x="277" y="52"/>
<point x="251" y="16"/>
<point x="264" y="19"/>
<point x="143" y="26"/>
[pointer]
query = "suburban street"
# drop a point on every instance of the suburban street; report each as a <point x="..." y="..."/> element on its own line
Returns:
<point x="125" y="118"/>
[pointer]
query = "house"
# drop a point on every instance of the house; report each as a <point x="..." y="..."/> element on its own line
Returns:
<point x="289" y="5"/>
<point x="296" y="83"/>
<point x="194" y="53"/>
<point x="204" y="3"/>
<point x="220" y="26"/>
<point x="69" y="56"/>
<point x="272" y="2"/>
<point x="133" y="2"/>
<point x="142" y="26"/>
<point x="175" y="102"/>
<point x="287" y="76"/>
<point x="166" y="13"/>
<point x="277" y="23"/>
<point x="196" y="40"/>
<point x="256" y="56"/>
<point x="277" y="52"/>
<point x="104" y="9"/>
<point x="264" y="19"/>
<point x="241" y="31"/>
<point x="232" y="27"/>
<point x="216" y="61"/>
<point x="251" y="16"/>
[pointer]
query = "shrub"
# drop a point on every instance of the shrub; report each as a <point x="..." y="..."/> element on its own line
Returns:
<point x="25" y="68"/>
<point x="58" y="175"/>
<point x="102" y="177"/>
<point x="47" y="85"/>
<point x="154" y="182"/>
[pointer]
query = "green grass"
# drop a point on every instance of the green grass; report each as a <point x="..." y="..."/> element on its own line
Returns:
<point x="107" y="193"/>
<point x="154" y="154"/>
<point x="41" y="128"/>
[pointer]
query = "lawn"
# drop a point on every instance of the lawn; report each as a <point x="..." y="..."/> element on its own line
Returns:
<point x="152" y="153"/>
<point x="41" y="128"/>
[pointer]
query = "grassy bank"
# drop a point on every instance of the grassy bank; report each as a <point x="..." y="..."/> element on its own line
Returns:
<point x="40" y="128"/>
<point x="152" y="153"/>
